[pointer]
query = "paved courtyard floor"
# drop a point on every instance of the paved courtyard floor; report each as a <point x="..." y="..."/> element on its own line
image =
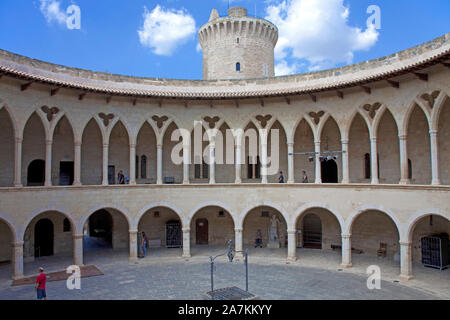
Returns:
<point x="163" y="274"/>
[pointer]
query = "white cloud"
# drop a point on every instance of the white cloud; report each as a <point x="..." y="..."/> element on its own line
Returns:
<point x="52" y="12"/>
<point x="198" y="48"/>
<point x="164" y="30"/>
<point x="283" y="69"/>
<point x="317" y="31"/>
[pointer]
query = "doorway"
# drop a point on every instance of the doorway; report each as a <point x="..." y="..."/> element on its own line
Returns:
<point x="312" y="231"/>
<point x="36" y="173"/>
<point x="43" y="238"/>
<point x="329" y="171"/>
<point x="111" y="175"/>
<point x="66" y="173"/>
<point x="100" y="228"/>
<point x="202" y="231"/>
<point x="173" y="234"/>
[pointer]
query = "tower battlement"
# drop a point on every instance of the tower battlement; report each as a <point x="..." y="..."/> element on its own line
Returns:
<point x="237" y="46"/>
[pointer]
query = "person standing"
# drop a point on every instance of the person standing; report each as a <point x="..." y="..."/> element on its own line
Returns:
<point x="40" y="285"/>
<point x="305" y="177"/>
<point x="281" y="177"/>
<point x="144" y="243"/>
<point x="120" y="177"/>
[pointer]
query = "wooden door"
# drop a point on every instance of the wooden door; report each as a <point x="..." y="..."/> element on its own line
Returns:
<point x="202" y="231"/>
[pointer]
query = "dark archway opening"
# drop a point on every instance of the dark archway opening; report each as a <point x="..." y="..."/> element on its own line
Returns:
<point x="312" y="231"/>
<point x="43" y="238"/>
<point x="201" y="229"/>
<point x="329" y="171"/>
<point x="36" y="173"/>
<point x="99" y="230"/>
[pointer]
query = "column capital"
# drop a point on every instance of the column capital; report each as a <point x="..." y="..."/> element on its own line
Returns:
<point x="19" y="139"/>
<point x="405" y="243"/>
<point x="238" y="230"/>
<point x="290" y="144"/>
<point x="132" y="231"/>
<point x="346" y="235"/>
<point x="291" y="231"/>
<point x="344" y="141"/>
<point x="17" y="244"/>
<point x="186" y="230"/>
<point x="48" y="142"/>
<point x="77" y="143"/>
<point x="403" y="137"/>
<point x="133" y="146"/>
<point x="77" y="236"/>
<point x="106" y="145"/>
<point x="159" y="146"/>
<point x="317" y="142"/>
<point x="373" y="139"/>
<point x="433" y="132"/>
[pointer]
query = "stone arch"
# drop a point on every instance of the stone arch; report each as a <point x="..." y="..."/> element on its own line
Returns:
<point x="119" y="149"/>
<point x="282" y="153"/>
<point x="440" y="103"/>
<point x="63" y="152"/>
<point x="386" y="131"/>
<point x="418" y="146"/>
<point x="409" y="110"/>
<point x="303" y="139"/>
<point x="34" y="143"/>
<point x="169" y="168"/>
<point x="313" y="205"/>
<point x="146" y="145"/>
<point x="219" y="228"/>
<point x="291" y="137"/>
<point x="407" y="231"/>
<point x="12" y="228"/>
<point x="350" y="219"/>
<point x="7" y="141"/>
<point x="92" y="153"/>
<point x="99" y="124"/>
<point x="359" y="144"/>
<point x="330" y="128"/>
<point x="153" y="205"/>
<point x="123" y="211"/>
<point x="17" y="131"/>
<point x="264" y="203"/>
<point x="443" y="131"/>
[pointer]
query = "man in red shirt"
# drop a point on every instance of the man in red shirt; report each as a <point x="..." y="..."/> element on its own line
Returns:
<point x="40" y="284"/>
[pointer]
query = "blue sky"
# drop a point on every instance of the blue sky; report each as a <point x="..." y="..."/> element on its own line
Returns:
<point x="133" y="38"/>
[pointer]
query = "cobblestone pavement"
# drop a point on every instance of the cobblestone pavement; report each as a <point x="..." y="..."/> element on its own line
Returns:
<point x="164" y="275"/>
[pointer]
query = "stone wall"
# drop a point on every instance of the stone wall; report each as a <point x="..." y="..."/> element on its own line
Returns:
<point x="220" y="229"/>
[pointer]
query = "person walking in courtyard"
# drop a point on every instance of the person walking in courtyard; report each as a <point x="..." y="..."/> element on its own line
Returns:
<point x="40" y="285"/>
<point x="144" y="242"/>
<point x="120" y="177"/>
<point x="281" y="177"/>
<point x="305" y="177"/>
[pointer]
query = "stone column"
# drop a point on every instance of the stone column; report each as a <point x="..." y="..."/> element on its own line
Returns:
<point x="292" y="246"/>
<point x="17" y="260"/>
<point x="374" y="160"/>
<point x="78" y="249"/>
<point x="237" y="163"/>
<point x="238" y="242"/>
<point x="77" y="164"/>
<point x="346" y="250"/>
<point x="434" y="150"/>
<point x="318" y="165"/>
<point x="105" y="164"/>
<point x="18" y="163"/>
<point x="405" y="261"/>
<point x="186" y="243"/>
<point x="48" y="162"/>
<point x="212" y="162"/>
<point x="403" y="141"/>
<point x="186" y="160"/>
<point x="263" y="159"/>
<point x="159" y="159"/>
<point x="133" y="245"/>
<point x="291" y="174"/>
<point x="132" y="164"/>
<point x="345" y="165"/>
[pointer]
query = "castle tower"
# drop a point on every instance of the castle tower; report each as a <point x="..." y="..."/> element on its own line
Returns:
<point x="237" y="46"/>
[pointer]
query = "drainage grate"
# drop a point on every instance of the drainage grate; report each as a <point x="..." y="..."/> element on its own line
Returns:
<point x="230" y="293"/>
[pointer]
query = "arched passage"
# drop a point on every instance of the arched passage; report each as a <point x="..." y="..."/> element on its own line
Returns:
<point x="7" y="154"/>
<point x="163" y="228"/>
<point x="330" y="140"/>
<point x="119" y="153"/>
<point x="146" y="155"/>
<point x="211" y="226"/>
<point x="91" y="154"/>
<point x="6" y="253"/>
<point x="36" y="173"/>
<point x="33" y="147"/>
<point x="278" y="157"/>
<point x="419" y="147"/>
<point x="171" y="172"/>
<point x="374" y="230"/>
<point x="388" y="149"/>
<point x="359" y="147"/>
<point x="304" y="142"/>
<point x="444" y="143"/>
<point x="199" y="168"/>
<point x="62" y="154"/>
<point x="225" y="172"/>
<point x="251" y="169"/>
<point x="425" y="250"/>
<point x="47" y="238"/>
<point x="318" y="228"/>
<point x="259" y="221"/>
